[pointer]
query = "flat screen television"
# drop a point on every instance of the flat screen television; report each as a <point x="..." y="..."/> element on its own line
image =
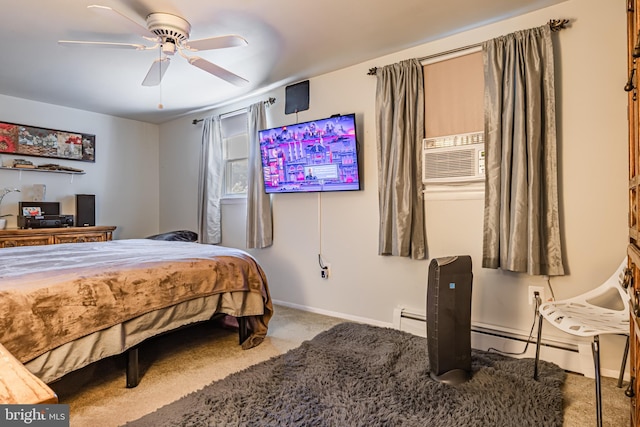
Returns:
<point x="319" y="155"/>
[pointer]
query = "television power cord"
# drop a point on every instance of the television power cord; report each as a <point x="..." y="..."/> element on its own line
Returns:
<point x="535" y="317"/>
<point x="322" y="266"/>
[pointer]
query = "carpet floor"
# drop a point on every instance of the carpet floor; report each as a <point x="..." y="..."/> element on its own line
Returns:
<point x="362" y="375"/>
<point x="175" y="365"/>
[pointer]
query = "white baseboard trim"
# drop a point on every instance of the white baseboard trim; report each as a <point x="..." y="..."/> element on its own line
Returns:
<point x="573" y="356"/>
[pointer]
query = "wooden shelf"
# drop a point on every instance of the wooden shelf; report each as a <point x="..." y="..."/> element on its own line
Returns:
<point x="40" y="170"/>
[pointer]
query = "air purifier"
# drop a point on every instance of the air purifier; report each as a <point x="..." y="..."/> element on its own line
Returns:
<point x="449" y="319"/>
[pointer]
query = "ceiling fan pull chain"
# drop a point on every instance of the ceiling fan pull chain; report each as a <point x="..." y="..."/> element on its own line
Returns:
<point x="160" y="106"/>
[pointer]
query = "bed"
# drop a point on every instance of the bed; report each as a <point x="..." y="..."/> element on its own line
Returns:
<point x="65" y="306"/>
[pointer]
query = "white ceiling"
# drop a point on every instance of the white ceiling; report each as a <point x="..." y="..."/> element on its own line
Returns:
<point x="288" y="42"/>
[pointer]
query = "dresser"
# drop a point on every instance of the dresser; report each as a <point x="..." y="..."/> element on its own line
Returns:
<point x="53" y="236"/>
<point x="633" y="65"/>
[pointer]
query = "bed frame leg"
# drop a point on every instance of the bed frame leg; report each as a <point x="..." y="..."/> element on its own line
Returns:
<point x="133" y="375"/>
<point x="243" y="329"/>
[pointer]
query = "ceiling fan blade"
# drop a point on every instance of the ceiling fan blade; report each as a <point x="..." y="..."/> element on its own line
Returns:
<point x="156" y="72"/>
<point x="216" y="43"/>
<point x="131" y="24"/>
<point x="102" y="44"/>
<point x="217" y="71"/>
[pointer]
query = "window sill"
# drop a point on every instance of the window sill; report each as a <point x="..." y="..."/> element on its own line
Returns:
<point x="233" y="200"/>
<point x="471" y="191"/>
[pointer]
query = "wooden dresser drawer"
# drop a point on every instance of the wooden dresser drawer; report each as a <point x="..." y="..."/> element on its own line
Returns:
<point x="52" y="236"/>
<point x="11" y="242"/>
<point x="80" y="238"/>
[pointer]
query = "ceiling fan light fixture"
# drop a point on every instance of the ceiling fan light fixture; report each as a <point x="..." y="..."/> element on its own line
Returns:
<point x="168" y="47"/>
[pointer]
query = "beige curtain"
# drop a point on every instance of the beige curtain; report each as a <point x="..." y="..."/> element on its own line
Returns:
<point x="400" y="130"/>
<point x="259" y="220"/>
<point x="210" y="182"/>
<point x="521" y="220"/>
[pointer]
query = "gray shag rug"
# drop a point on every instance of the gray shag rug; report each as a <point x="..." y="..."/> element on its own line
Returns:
<point x="361" y="375"/>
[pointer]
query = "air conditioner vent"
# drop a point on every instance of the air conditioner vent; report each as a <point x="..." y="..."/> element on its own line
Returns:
<point x="453" y="159"/>
<point x="449" y="164"/>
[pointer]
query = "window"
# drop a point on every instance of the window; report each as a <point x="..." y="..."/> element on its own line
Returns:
<point x="235" y="152"/>
<point x="453" y="150"/>
<point x="454" y="95"/>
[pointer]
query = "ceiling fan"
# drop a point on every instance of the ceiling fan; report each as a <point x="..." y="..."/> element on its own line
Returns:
<point x="170" y="33"/>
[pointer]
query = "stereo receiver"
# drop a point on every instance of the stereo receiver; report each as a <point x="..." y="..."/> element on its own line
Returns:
<point x="45" y="221"/>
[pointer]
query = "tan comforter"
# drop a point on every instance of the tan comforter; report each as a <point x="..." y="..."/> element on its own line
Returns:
<point x="51" y="295"/>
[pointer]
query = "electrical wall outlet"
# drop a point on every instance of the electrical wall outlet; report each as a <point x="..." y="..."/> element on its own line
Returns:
<point x="326" y="271"/>
<point x="531" y="296"/>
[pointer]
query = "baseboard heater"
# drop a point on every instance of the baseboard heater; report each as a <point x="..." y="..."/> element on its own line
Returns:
<point x="571" y="356"/>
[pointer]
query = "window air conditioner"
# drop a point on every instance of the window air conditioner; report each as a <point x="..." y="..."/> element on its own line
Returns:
<point x="453" y="158"/>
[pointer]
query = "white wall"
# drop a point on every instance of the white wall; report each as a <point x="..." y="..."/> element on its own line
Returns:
<point x="591" y="72"/>
<point x="124" y="177"/>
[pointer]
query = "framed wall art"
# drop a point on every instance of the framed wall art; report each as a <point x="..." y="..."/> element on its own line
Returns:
<point x="38" y="142"/>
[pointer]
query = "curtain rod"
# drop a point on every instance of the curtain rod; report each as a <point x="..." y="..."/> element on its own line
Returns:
<point x="268" y="102"/>
<point x="554" y="24"/>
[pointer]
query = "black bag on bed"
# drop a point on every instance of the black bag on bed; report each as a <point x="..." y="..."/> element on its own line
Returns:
<point x="180" y="235"/>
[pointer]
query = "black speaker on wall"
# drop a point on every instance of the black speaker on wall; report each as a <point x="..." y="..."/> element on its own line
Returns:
<point x="449" y="319"/>
<point x="85" y="210"/>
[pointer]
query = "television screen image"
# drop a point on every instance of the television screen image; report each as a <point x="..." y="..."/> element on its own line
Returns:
<point x="319" y="155"/>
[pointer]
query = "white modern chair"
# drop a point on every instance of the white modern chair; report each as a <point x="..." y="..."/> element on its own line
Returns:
<point x="582" y="316"/>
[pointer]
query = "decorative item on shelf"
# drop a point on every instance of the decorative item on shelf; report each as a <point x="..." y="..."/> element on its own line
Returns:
<point x="5" y="191"/>
<point x="56" y="167"/>
<point x="38" y="192"/>
<point x="23" y="164"/>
